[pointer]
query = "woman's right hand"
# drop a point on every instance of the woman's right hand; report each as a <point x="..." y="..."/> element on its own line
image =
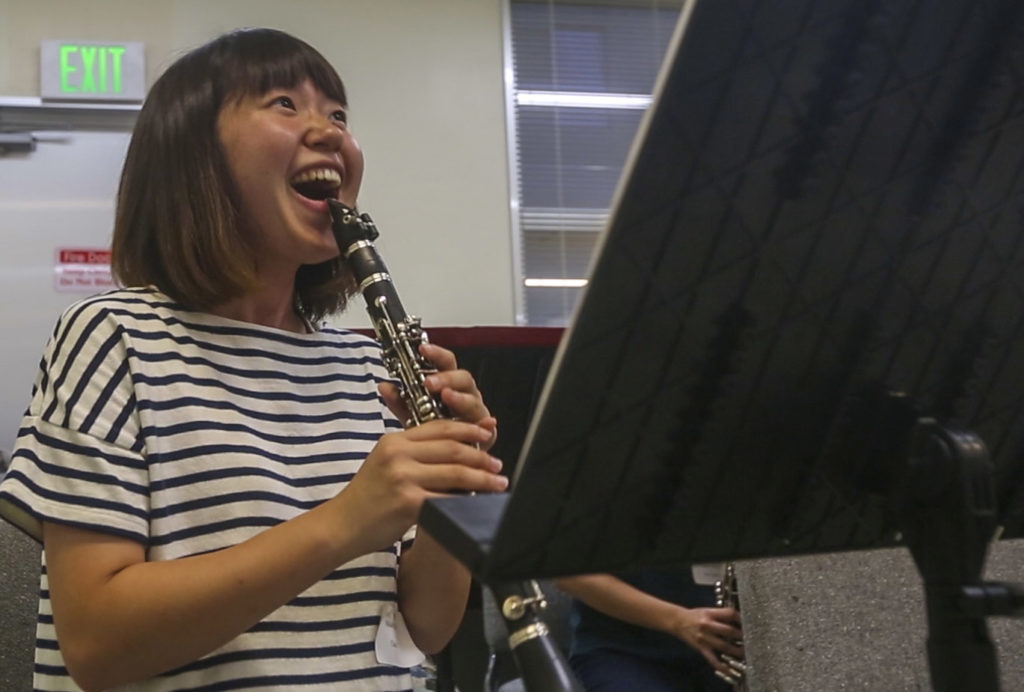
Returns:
<point x="405" y="468"/>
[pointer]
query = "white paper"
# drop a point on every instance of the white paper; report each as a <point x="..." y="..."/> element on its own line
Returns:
<point x="709" y="573"/>
<point x="394" y="645"/>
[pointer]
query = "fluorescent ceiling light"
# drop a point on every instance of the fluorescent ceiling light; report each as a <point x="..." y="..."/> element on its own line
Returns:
<point x="580" y="99"/>
<point x="556" y="283"/>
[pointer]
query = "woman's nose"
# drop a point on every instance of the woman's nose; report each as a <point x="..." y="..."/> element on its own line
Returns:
<point x="324" y="133"/>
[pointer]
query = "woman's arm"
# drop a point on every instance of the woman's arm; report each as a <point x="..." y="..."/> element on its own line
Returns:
<point x="120" y="618"/>
<point x="708" y="630"/>
<point x="432" y="590"/>
<point x="432" y="585"/>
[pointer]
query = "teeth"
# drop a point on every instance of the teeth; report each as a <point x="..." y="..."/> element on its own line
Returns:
<point x="318" y="174"/>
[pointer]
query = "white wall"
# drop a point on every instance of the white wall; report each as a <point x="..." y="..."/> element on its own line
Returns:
<point x="425" y="86"/>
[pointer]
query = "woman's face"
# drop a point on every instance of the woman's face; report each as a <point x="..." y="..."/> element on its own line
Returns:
<point x="288" y="151"/>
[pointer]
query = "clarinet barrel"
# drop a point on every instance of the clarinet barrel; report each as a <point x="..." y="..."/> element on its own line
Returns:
<point x="540" y="661"/>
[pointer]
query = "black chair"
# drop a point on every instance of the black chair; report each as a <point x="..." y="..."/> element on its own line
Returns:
<point x="19" y="603"/>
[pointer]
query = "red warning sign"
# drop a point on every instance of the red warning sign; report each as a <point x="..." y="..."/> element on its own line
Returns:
<point x="82" y="270"/>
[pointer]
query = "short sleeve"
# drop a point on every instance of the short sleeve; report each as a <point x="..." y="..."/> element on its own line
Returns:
<point x="78" y="458"/>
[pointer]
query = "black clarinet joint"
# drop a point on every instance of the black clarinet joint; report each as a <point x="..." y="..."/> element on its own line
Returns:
<point x="400" y="335"/>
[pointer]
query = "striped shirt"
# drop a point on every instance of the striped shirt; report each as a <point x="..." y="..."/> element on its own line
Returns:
<point x="190" y="433"/>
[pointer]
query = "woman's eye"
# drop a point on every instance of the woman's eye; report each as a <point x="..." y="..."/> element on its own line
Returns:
<point x="285" y="101"/>
<point x="340" y="117"/>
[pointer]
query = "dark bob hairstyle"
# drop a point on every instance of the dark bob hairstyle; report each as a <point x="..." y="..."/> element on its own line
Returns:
<point x="177" y="223"/>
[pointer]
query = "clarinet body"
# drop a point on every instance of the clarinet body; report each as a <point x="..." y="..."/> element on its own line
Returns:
<point x="727" y="596"/>
<point x="540" y="661"/>
<point x="398" y="334"/>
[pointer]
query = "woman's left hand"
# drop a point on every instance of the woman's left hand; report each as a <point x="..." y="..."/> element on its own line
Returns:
<point x="456" y="388"/>
<point x="713" y="632"/>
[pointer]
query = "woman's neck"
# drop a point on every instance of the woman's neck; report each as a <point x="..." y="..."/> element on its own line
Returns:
<point x="270" y="307"/>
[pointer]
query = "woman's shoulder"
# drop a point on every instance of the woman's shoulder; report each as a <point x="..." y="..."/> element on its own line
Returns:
<point x="121" y="301"/>
<point x="111" y="310"/>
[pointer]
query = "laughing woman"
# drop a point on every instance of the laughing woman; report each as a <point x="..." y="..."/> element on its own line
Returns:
<point x="223" y="491"/>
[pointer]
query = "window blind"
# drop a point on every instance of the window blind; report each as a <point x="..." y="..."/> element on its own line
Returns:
<point x="582" y="77"/>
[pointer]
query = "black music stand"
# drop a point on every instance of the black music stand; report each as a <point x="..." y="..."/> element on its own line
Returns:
<point x="806" y="315"/>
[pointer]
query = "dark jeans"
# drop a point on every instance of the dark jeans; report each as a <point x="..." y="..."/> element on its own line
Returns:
<point x="605" y="670"/>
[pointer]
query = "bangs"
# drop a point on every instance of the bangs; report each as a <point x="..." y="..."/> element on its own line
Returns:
<point x="256" y="61"/>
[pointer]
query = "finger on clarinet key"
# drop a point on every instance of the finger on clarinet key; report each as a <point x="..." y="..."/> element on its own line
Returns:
<point x="440" y="357"/>
<point x="725" y="676"/>
<point x="735" y="664"/>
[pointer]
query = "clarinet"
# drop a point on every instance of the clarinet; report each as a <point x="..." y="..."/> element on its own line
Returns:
<point x="538" y="657"/>
<point x="727" y="596"/>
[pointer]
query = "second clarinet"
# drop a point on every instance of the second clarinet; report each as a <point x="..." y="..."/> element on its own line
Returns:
<point x="540" y="662"/>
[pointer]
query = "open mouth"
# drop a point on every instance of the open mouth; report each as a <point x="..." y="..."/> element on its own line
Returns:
<point x="317" y="184"/>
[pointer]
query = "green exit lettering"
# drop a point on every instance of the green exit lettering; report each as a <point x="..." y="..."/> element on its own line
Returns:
<point x="91" y="69"/>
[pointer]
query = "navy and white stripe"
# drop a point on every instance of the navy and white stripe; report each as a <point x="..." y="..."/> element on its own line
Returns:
<point x="189" y="433"/>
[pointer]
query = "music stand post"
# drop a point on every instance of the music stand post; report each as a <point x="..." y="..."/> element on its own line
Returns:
<point x="949" y="518"/>
<point x="824" y="201"/>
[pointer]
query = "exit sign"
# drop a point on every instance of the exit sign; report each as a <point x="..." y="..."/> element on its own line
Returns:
<point x="92" y="71"/>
